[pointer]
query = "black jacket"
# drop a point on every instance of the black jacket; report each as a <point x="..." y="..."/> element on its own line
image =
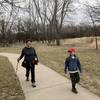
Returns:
<point x="29" y="54"/>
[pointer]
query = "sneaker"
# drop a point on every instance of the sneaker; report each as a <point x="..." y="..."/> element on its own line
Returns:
<point x="74" y="91"/>
<point x="27" y="79"/>
<point x="33" y="85"/>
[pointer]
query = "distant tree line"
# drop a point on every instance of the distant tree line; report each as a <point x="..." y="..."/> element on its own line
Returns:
<point x="22" y="32"/>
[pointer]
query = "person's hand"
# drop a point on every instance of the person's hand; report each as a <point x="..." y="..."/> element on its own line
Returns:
<point x="81" y="74"/>
<point x="37" y="62"/>
<point x="18" y="59"/>
<point x="33" y="61"/>
<point x="65" y="71"/>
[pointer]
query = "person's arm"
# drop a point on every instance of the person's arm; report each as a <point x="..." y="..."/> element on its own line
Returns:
<point x="21" y="56"/>
<point x="36" y="58"/>
<point x="35" y="54"/>
<point x="66" y="65"/>
<point x="79" y="65"/>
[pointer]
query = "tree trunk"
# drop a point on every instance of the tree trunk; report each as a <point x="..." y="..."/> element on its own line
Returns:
<point x="96" y="41"/>
<point x="58" y="42"/>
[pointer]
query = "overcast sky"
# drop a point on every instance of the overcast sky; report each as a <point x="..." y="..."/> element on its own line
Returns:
<point x="79" y="16"/>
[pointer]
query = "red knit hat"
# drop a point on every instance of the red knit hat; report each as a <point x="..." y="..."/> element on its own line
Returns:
<point x="71" y="50"/>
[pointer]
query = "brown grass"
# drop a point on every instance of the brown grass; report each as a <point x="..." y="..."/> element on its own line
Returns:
<point x="10" y="88"/>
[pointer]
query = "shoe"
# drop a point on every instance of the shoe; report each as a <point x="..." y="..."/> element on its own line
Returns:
<point x="74" y="91"/>
<point x="27" y="79"/>
<point x="33" y="85"/>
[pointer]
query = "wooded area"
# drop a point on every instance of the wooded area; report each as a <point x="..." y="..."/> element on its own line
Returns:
<point x="44" y="21"/>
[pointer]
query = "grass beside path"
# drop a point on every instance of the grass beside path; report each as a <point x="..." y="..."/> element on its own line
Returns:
<point x="10" y="88"/>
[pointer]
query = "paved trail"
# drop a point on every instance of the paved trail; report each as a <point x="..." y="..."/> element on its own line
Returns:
<point x="50" y="85"/>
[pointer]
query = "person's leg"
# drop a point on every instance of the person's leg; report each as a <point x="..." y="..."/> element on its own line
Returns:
<point x="33" y="75"/>
<point x="27" y="73"/>
<point x="77" y="77"/>
<point x="72" y="76"/>
<point x="72" y="80"/>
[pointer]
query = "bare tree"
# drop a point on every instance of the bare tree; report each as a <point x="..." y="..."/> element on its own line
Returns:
<point x="44" y="17"/>
<point x="51" y="15"/>
<point x="94" y="13"/>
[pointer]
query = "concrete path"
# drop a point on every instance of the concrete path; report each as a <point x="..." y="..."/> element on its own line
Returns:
<point x="50" y="85"/>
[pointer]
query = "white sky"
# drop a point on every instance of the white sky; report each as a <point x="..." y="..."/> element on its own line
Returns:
<point x="78" y="16"/>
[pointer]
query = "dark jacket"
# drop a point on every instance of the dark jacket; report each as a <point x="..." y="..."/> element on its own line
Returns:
<point x="72" y="64"/>
<point x="29" y="54"/>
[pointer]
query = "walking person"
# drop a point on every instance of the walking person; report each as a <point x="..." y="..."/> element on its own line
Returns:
<point x="30" y="60"/>
<point x="73" y="66"/>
